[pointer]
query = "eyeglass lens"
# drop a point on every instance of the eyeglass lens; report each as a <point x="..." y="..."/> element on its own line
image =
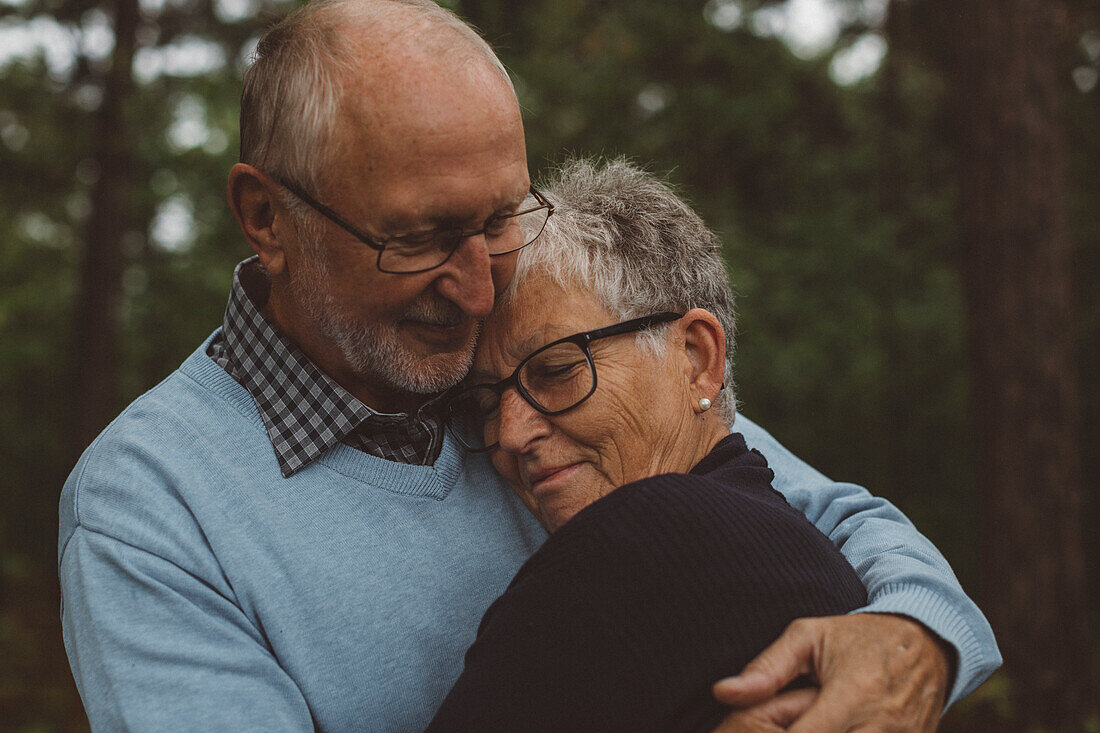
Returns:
<point x="554" y="380"/>
<point x="502" y="235"/>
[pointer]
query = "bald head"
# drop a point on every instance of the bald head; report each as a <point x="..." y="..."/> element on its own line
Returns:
<point x="335" y="58"/>
<point x="400" y="118"/>
<point x="417" y="102"/>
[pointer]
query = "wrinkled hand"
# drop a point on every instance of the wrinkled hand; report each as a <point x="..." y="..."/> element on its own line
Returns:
<point x="878" y="673"/>
<point x="772" y="716"/>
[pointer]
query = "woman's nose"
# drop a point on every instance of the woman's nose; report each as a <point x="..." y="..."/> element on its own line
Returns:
<point x="519" y="424"/>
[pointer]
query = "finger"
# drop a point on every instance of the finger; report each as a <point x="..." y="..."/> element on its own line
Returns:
<point x="786" y="707"/>
<point x="789" y="656"/>
<point x="772" y="716"/>
<point x="741" y="721"/>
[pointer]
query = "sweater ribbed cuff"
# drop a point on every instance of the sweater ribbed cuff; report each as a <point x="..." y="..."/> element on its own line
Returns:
<point x="940" y="616"/>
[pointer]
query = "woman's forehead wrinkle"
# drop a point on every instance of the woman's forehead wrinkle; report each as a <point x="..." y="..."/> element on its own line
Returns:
<point x="530" y="343"/>
<point x="490" y="363"/>
<point x="541" y="334"/>
<point x="503" y="347"/>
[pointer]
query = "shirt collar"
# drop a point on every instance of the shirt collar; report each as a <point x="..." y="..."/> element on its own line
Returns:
<point x="304" y="410"/>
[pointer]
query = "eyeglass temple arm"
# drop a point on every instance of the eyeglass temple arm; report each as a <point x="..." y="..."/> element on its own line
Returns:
<point x="329" y="213"/>
<point x="634" y="324"/>
<point x="543" y="201"/>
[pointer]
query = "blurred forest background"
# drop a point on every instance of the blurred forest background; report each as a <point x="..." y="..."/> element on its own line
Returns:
<point x="907" y="191"/>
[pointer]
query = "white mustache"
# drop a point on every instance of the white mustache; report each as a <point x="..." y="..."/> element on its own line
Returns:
<point x="442" y="313"/>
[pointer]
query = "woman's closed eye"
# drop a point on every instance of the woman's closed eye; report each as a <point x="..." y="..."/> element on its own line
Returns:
<point x="489" y="408"/>
<point x="552" y="372"/>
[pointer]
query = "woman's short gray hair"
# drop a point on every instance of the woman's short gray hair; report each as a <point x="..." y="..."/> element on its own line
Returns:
<point x="294" y="86"/>
<point x="628" y="238"/>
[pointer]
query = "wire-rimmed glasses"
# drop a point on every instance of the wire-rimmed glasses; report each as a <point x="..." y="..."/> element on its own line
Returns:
<point x="423" y="251"/>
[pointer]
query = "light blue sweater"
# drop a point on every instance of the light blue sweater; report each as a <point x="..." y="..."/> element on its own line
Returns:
<point x="201" y="590"/>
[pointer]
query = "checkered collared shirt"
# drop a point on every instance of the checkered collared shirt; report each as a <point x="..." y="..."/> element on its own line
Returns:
<point x="306" y="412"/>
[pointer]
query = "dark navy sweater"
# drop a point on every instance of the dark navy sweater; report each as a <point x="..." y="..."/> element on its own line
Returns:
<point x="628" y="614"/>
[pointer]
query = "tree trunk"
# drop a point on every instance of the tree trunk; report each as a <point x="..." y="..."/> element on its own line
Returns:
<point x="95" y="357"/>
<point x="1025" y="396"/>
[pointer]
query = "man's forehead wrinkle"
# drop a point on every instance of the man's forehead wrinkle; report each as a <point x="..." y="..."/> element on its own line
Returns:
<point x="451" y="160"/>
<point x="403" y="106"/>
<point x="396" y="48"/>
<point x="412" y="87"/>
<point x="400" y="88"/>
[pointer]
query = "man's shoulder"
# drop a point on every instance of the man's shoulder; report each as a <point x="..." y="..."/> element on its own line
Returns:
<point x="142" y="468"/>
<point x="198" y="398"/>
<point x="791" y="472"/>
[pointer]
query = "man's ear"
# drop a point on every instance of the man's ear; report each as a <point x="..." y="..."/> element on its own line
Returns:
<point x="705" y="346"/>
<point x="253" y="198"/>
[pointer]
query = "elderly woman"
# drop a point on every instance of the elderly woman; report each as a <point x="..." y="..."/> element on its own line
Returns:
<point x="601" y="388"/>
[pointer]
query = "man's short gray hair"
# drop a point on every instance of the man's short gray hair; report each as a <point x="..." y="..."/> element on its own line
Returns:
<point x="293" y="88"/>
<point x="629" y="239"/>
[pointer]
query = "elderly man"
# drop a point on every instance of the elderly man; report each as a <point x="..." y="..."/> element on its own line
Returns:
<point x="280" y="536"/>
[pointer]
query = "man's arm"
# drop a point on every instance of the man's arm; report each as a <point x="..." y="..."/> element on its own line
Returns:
<point x="903" y="572"/>
<point x="155" y="634"/>
<point x="154" y="647"/>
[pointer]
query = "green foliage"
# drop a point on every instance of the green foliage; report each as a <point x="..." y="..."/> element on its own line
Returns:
<point x="173" y="297"/>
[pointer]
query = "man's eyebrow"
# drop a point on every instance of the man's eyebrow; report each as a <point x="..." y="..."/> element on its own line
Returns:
<point x="403" y="226"/>
<point x="432" y="220"/>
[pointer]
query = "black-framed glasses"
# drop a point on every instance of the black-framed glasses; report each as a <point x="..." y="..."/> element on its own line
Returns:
<point x="423" y="251"/>
<point x="552" y="379"/>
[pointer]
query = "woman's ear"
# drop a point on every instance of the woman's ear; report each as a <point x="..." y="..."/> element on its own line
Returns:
<point x="705" y="346"/>
<point x="253" y="200"/>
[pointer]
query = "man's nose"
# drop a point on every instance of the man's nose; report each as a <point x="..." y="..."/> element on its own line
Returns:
<point x="519" y="423"/>
<point x="466" y="278"/>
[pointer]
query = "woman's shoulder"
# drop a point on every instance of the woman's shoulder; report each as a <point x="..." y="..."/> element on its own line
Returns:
<point x="666" y="584"/>
<point x="737" y="505"/>
<point x="731" y="480"/>
<point x="723" y="519"/>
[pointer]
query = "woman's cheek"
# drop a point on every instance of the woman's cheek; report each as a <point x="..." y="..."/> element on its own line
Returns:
<point x="507" y="466"/>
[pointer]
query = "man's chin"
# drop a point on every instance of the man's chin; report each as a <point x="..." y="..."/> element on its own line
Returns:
<point x="438" y="374"/>
<point x="426" y="372"/>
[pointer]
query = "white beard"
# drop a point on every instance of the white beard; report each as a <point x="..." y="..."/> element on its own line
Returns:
<point x="374" y="351"/>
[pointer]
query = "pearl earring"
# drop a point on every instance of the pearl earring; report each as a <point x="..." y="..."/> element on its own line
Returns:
<point x="704" y="404"/>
